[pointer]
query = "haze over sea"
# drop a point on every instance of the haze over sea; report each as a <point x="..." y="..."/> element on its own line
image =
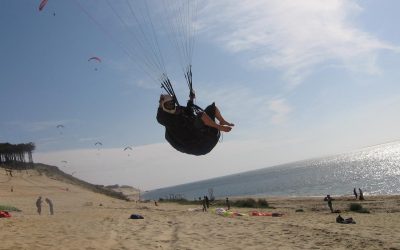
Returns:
<point x="375" y="169"/>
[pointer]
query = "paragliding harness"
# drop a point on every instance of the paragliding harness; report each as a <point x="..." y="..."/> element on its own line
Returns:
<point x="204" y="137"/>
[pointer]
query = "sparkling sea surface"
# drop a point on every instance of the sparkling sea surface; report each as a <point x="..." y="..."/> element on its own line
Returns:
<point x="376" y="170"/>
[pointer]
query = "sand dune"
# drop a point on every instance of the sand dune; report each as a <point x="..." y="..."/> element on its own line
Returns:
<point x="81" y="223"/>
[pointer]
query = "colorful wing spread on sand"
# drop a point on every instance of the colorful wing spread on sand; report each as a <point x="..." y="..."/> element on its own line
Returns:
<point x="227" y="213"/>
<point x="42" y="4"/>
<point x="5" y="214"/>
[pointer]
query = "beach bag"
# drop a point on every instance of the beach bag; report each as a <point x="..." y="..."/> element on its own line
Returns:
<point x="136" y="216"/>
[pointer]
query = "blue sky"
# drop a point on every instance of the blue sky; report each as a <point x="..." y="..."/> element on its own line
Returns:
<point x="299" y="79"/>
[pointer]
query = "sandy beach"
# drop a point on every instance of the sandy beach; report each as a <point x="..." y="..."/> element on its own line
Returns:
<point x="87" y="220"/>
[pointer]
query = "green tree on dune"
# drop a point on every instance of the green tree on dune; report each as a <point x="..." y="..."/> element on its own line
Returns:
<point x="16" y="154"/>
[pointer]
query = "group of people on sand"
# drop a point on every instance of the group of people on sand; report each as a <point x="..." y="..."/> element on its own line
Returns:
<point x="339" y="219"/>
<point x="39" y="203"/>
<point x="329" y="199"/>
<point x="206" y="203"/>
<point x="360" y="196"/>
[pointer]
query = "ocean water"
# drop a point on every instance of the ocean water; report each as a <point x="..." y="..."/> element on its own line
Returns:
<point x="376" y="170"/>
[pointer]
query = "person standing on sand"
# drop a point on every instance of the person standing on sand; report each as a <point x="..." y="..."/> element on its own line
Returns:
<point x="207" y="201"/>
<point x="39" y="205"/>
<point x="329" y="200"/>
<point x="48" y="201"/>
<point x="228" y="205"/>
<point x="355" y="193"/>
<point x="204" y="204"/>
<point x="361" y="194"/>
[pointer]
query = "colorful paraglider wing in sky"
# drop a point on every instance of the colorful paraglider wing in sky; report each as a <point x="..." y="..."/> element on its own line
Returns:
<point x="98" y="143"/>
<point x="42" y="4"/>
<point x="127" y="148"/>
<point x="60" y="126"/>
<point x="94" y="58"/>
<point x="64" y="161"/>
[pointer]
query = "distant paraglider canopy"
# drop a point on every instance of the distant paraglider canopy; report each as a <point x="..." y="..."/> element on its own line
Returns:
<point x="95" y="58"/>
<point x="129" y="148"/>
<point x="60" y="127"/>
<point x="42" y="4"/>
<point x="98" y="145"/>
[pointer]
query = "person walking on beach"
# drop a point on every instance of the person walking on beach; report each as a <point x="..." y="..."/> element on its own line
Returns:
<point x="329" y="200"/>
<point x="361" y="194"/>
<point x="228" y="205"/>
<point x="355" y="193"/>
<point x="39" y="205"/>
<point x="48" y="201"/>
<point x="204" y="204"/>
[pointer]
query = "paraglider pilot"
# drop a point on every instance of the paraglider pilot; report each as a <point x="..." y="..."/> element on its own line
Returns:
<point x="189" y="131"/>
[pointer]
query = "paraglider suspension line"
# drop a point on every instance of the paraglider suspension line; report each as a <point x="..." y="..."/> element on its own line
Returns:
<point x="167" y="85"/>
<point x="188" y="77"/>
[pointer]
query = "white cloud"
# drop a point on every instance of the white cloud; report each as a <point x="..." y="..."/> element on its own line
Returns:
<point x="281" y="110"/>
<point x="249" y="108"/>
<point x="293" y="36"/>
